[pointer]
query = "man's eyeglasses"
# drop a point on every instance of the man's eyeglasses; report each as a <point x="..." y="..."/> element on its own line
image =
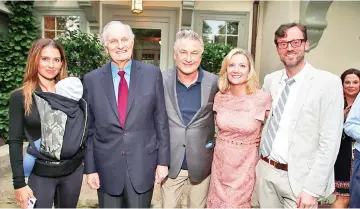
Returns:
<point x="294" y="43"/>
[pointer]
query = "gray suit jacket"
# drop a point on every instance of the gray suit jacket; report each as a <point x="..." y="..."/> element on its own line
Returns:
<point x="317" y="123"/>
<point x="193" y="137"/>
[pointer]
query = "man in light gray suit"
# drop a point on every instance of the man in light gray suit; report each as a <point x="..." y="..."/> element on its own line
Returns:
<point x="189" y="96"/>
<point x="301" y="137"/>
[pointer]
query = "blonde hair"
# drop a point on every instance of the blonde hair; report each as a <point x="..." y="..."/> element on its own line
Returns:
<point x="31" y="80"/>
<point x="252" y="82"/>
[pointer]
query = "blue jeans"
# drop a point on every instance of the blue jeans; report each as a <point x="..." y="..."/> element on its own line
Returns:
<point x="355" y="182"/>
<point x="29" y="160"/>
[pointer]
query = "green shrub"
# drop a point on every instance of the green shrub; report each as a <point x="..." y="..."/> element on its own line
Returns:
<point x="83" y="51"/>
<point x="14" y="47"/>
<point x="213" y="56"/>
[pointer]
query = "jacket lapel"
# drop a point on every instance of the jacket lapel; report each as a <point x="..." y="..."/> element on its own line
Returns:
<point x="170" y="84"/>
<point x="135" y="79"/>
<point x="205" y="94"/>
<point x="301" y="98"/>
<point x="108" y="86"/>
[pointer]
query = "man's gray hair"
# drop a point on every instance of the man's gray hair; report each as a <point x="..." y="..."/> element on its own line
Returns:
<point x="188" y="34"/>
<point x="113" y="23"/>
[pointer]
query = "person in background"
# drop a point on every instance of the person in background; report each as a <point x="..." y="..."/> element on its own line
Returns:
<point x="343" y="165"/>
<point x="352" y="129"/>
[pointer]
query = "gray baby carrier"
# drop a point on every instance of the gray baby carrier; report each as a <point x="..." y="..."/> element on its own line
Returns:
<point x="63" y="134"/>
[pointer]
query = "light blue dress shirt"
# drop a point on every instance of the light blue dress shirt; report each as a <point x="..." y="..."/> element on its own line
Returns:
<point x="352" y="124"/>
<point x="116" y="77"/>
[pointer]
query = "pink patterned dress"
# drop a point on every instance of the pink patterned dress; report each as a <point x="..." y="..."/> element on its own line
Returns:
<point x="239" y="120"/>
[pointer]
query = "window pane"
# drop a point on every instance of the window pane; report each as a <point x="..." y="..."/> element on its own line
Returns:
<point x="49" y="34"/>
<point x="208" y="38"/>
<point x="59" y="33"/>
<point x="222" y="28"/>
<point x="206" y="27"/>
<point x="213" y="27"/>
<point x="232" y="28"/>
<point x="232" y="40"/>
<point x="49" y="22"/>
<point x="219" y="39"/>
<point x="73" y="22"/>
<point x="60" y="23"/>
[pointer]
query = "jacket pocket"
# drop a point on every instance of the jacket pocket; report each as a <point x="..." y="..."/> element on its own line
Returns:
<point x="152" y="147"/>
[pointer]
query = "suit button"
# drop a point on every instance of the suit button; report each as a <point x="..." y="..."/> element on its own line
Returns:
<point x="123" y="153"/>
<point x="125" y="133"/>
<point x="184" y="145"/>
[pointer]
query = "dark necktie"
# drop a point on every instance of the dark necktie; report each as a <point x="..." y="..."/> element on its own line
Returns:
<point x="122" y="97"/>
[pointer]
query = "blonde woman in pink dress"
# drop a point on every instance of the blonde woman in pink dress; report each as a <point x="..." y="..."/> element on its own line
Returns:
<point x="240" y="110"/>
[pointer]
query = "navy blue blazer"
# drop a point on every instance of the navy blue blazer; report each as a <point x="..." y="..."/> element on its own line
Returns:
<point x="139" y="146"/>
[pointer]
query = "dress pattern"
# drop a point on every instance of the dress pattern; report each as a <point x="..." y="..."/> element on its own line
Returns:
<point x="344" y="164"/>
<point x="239" y="120"/>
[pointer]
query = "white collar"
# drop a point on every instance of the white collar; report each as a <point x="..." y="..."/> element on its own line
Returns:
<point x="299" y="77"/>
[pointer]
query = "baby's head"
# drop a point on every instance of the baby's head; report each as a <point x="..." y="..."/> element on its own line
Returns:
<point x="70" y="87"/>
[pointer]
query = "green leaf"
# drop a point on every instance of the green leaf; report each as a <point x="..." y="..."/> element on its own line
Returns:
<point x="18" y="37"/>
<point x="13" y="52"/>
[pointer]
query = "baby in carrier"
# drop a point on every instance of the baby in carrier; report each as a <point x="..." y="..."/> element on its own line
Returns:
<point x="53" y="124"/>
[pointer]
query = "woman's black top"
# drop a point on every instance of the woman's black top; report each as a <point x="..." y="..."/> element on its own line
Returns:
<point x="21" y="126"/>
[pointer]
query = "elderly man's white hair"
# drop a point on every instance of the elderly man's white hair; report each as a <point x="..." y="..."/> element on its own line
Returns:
<point x="113" y="23"/>
<point x="187" y="34"/>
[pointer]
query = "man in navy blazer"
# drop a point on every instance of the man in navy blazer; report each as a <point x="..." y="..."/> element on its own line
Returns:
<point x="128" y="138"/>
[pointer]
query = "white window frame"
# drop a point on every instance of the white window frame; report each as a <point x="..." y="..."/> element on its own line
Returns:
<point x="41" y="12"/>
<point x="55" y="30"/>
<point x="241" y="17"/>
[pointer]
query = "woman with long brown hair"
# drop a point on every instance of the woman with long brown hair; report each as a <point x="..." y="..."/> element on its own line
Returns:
<point x="351" y="86"/>
<point x="46" y="65"/>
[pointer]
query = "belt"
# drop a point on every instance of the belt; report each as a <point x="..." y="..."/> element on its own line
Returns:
<point x="275" y="164"/>
<point x="238" y="142"/>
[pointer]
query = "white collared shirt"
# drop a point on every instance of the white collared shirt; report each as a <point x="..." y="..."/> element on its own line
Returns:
<point x="280" y="145"/>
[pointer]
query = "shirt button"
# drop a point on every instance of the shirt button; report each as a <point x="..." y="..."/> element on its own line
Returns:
<point x="125" y="133"/>
<point x="184" y="145"/>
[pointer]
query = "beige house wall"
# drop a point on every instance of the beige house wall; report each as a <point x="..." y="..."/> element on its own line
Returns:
<point x="146" y="4"/>
<point x="151" y="3"/>
<point x="274" y="14"/>
<point x="339" y="47"/>
<point x="56" y="4"/>
<point x="163" y="3"/>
